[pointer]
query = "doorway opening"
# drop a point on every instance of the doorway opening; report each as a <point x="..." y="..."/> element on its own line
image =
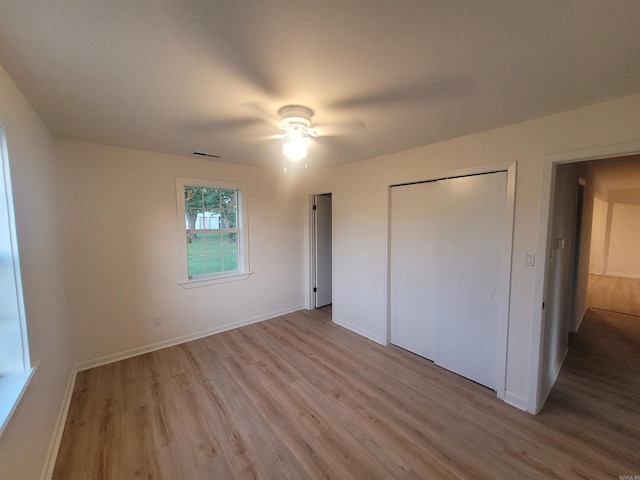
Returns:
<point x="593" y="257"/>
<point x="322" y="252"/>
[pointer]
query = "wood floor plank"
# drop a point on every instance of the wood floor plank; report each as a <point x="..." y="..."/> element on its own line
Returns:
<point x="298" y="397"/>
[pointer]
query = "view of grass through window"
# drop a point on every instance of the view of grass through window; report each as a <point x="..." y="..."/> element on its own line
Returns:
<point x="211" y="216"/>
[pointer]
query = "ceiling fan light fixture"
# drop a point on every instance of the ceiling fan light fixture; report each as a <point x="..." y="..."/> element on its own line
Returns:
<point x="295" y="148"/>
<point x="295" y="116"/>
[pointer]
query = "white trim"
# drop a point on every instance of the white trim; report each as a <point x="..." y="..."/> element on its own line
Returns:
<point x="13" y="385"/>
<point x="360" y="331"/>
<point x="203" y="282"/>
<point x="515" y="401"/>
<point x="17" y="371"/>
<point x="310" y="300"/>
<point x="54" y="446"/>
<point x="96" y="362"/>
<point x="505" y="287"/>
<point x="596" y="153"/>
<point x="536" y="400"/>
<point x="554" y="377"/>
<point x="579" y="322"/>
<point x="462" y="172"/>
<point x="621" y="275"/>
<point x="389" y="266"/>
<point x="5" y="170"/>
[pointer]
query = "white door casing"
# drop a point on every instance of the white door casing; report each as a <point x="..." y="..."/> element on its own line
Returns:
<point x="323" y="250"/>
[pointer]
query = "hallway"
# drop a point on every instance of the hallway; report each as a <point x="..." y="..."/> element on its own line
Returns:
<point x="595" y="399"/>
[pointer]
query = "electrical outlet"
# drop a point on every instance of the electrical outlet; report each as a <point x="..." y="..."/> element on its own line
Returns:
<point x="157" y="321"/>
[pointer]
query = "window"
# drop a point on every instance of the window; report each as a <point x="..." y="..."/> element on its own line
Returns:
<point x="15" y="368"/>
<point x="212" y="230"/>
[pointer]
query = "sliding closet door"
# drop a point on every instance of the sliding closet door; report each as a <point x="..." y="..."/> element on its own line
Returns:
<point x="446" y="243"/>
<point x="469" y="272"/>
<point x="414" y="214"/>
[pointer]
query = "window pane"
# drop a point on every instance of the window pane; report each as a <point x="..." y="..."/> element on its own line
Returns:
<point x="214" y="263"/>
<point x="196" y="264"/>
<point x="191" y="218"/>
<point x="206" y="209"/>
<point x="212" y="253"/>
<point x="228" y="199"/>
<point x="212" y="242"/>
<point x="192" y="197"/>
<point x="229" y="219"/>
<point x="210" y="219"/>
<point x="195" y="244"/>
<point x="211" y="198"/>
<point x="230" y="251"/>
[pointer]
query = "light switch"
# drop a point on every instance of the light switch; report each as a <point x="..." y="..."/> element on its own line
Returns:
<point x="530" y="259"/>
<point x="561" y="243"/>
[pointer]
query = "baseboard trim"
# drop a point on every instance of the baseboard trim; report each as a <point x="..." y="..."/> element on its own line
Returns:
<point x="584" y="313"/>
<point x="134" y="352"/>
<point x="622" y="275"/>
<point x="515" y="401"/>
<point x="556" y="372"/>
<point x="360" y="331"/>
<point x="54" y="446"/>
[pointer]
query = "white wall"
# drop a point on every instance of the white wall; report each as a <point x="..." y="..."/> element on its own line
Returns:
<point x="615" y="235"/>
<point x="598" y="236"/>
<point x="121" y="249"/>
<point x="361" y="214"/>
<point x="566" y="282"/>
<point x="624" y="240"/>
<point x="582" y="286"/>
<point x="25" y="442"/>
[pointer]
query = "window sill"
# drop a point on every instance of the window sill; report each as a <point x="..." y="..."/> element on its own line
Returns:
<point x="204" y="282"/>
<point x="12" y="387"/>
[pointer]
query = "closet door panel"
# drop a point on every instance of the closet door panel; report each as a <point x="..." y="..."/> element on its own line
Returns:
<point x="469" y="244"/>
<point x="414" y="225"/>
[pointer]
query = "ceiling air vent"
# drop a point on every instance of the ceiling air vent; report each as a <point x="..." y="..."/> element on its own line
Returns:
<point x="204" y="154"/>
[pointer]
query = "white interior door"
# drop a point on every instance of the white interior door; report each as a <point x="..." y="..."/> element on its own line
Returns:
<point x="446" y="264"/>
<point x="323" y="254"/>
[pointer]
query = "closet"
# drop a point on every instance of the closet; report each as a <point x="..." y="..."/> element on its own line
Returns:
<point x="447" y="244"/>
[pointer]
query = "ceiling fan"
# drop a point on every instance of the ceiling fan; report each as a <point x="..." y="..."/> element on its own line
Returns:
<point x="298" y="130"/>
<point x="295" y="123"/>
<point x="295" y="120"/>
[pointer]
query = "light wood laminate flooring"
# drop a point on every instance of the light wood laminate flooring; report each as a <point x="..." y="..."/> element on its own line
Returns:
<point x="298" y="397"/>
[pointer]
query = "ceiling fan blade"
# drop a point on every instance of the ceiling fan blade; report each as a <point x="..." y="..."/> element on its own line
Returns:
<point x="225" y="25"/>
<point x="213" y="125"/>
<point x="353" y="127"/>
<point x="432" y="89"/>
<point x="263" y="112"/>
<point x="264" y="138"/>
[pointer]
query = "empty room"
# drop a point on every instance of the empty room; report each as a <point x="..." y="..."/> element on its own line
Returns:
<point x="311" y="240"/>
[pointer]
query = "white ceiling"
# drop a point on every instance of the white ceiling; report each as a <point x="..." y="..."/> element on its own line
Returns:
<point x="176" y="76"/>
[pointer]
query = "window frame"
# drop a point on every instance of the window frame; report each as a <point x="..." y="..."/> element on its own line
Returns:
<point x="243" y="272"/>
<point x="14" y="381"/>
